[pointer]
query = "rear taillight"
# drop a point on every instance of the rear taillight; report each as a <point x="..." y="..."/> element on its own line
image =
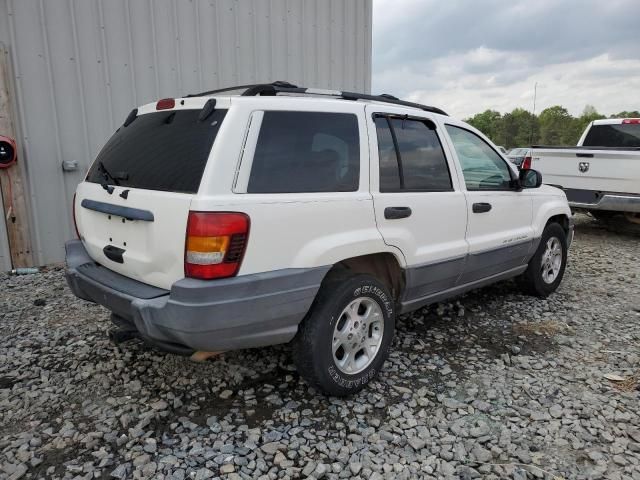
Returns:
<point x="631" y="120"/>
<point x="75" y="222"/>
<point x="526" y="163"/>
<point x="215" y="244"/>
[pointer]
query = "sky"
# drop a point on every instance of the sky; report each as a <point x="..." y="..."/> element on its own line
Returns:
<point x="467" y="56"/>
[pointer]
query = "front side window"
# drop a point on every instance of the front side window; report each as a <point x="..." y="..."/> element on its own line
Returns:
<point x="299" y="152"/>
<point x="411" y="156"/>
<point x="482" y="167"/>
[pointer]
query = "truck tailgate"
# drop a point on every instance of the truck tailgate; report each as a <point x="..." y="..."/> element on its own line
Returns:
<point x="589" y="169"/>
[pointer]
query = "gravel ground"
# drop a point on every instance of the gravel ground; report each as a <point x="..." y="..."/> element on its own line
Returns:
<point x="492" y="385"/>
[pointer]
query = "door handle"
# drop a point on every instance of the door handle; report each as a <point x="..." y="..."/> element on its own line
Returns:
<point x="481" y="207"/>
<point x="393" y="213"/>
<point x="114" y="253"/>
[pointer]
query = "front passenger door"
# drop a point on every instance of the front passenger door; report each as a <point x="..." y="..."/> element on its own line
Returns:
<point x="499" y="227"/>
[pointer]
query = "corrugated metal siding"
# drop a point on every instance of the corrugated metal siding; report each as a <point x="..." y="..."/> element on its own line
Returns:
<point x="80" y="66"/>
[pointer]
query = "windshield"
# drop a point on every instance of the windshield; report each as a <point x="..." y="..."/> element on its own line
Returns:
<point x="165" y="151"/>
<point x="622" y="135"/>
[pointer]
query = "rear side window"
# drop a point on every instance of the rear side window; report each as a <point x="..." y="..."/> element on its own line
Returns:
<point x="165" y="151"/>
<point x="389" y="167"/>
<point x="411" y="156"/>
<point x="623" y="135"/>
<point x="300" y="152"/>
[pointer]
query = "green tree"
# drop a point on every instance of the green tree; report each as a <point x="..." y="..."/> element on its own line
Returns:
<point x="520" y="128"/>
<point x="556" y="126"/>
<point x="589" y="114"/>
<point x="488" y="122"/>
<point x="627" y="114"/>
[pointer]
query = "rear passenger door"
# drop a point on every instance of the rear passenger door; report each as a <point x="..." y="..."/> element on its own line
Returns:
<point x="418" y="205"/>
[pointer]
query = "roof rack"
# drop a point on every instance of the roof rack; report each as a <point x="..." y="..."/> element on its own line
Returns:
<point x="272" y="89"/>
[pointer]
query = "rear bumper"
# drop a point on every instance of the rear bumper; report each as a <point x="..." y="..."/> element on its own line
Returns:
<point x="240" y="312"/>
<point x="594" y="200"/>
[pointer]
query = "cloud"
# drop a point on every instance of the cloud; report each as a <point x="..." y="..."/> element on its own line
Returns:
<point x="469" y="56"/>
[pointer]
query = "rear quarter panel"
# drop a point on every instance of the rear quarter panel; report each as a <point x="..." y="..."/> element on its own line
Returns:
<point x="303" y="232"/>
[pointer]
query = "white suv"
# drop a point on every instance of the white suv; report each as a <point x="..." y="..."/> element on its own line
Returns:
<point x="217" y="222"/>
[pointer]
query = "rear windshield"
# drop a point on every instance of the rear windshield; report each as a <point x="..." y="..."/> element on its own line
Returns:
<point x="623" y="135"/>
<point x="164" y="151"/>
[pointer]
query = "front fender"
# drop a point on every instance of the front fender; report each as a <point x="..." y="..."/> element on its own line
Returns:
<point x="547" y="206"/>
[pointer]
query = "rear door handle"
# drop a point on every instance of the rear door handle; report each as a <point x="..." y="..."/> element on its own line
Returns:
<point x="481" y="207"/>
<point x="114" y="253"/>
<point x="393" y="213"/>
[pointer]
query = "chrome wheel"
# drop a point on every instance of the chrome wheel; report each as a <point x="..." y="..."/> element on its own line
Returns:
<point x="551" y="260"/>
<point x="357" y="335"/>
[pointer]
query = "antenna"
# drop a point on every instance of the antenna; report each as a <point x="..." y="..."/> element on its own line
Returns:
<point x="533" y="117"/>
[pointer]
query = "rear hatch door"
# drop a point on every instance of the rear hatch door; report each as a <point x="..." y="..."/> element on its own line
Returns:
<point x="132" y="210"/>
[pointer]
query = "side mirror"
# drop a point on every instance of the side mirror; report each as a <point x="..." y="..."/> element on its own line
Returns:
<point x="530" y="178"/>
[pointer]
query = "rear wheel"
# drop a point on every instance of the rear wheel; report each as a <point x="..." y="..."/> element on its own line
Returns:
<point x="343" y="342"/>
<point x="546" y="268"/>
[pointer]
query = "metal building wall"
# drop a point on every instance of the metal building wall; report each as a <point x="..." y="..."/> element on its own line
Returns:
<point x="81" y="65"/>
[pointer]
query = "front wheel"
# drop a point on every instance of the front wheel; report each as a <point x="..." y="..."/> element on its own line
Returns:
<point x="343" y="342"/>
<point x="546" y="268"/>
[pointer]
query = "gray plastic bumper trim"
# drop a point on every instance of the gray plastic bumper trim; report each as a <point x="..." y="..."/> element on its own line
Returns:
<point x="234" y="313"/>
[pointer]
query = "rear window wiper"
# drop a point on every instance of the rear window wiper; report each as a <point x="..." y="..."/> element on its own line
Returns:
<point x="107" y="175"/>
<point x="116" y="177"/>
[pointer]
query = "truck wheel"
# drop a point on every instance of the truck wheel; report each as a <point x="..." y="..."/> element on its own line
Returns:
<point x="603" y="215"/>
<point x="546" y="267"/>
<point x="632" y="217"/>
<point x="345" y="338"/>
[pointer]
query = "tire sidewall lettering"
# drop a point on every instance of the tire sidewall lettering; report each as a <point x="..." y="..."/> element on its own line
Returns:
<point x="372" y="290"/>
<point x="362" y="378"/>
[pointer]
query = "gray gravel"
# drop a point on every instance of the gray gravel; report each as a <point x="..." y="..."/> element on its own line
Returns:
<point x="492" y="385"/>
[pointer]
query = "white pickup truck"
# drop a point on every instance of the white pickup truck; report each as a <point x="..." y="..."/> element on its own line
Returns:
<point x="600" y="175"/>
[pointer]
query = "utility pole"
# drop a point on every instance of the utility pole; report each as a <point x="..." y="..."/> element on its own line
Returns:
<point x="533" y="118"/>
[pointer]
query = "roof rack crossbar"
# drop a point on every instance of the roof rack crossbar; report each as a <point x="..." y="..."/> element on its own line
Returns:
<point x="271" y="89"/>
<point x="220" y="90"/>
<point x="386" y="98"/>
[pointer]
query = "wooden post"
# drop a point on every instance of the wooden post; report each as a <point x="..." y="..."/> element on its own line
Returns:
<point x="13" y="193"/>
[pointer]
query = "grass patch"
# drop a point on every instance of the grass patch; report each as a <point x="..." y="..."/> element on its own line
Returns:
<point x="546" y="327"/>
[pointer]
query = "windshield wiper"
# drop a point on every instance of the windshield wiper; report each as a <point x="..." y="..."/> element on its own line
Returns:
<point x="106" y="174"/>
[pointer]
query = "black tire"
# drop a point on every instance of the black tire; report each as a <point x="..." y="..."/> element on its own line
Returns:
<point x="312" y="347"/>
<point x="531" y="281"/>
